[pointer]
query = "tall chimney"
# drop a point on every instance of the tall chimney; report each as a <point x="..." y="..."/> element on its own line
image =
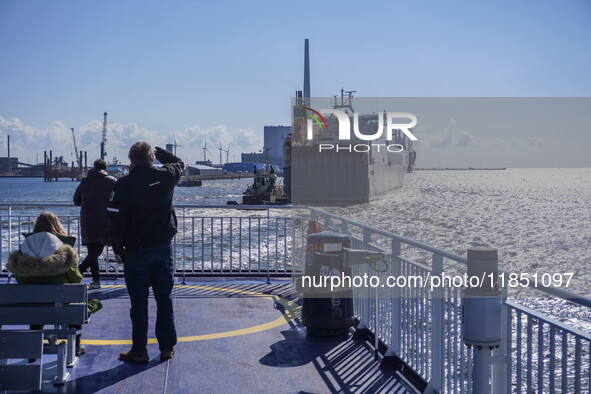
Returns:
<point x="307" y="70"/>
<point x="9" y="164"/>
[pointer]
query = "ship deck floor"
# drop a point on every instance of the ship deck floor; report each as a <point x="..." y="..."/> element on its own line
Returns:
<point x="235" y="336"/>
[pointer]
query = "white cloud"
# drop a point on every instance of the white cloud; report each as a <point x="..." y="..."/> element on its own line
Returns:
<point x="448" y="138"/>
<point x="247" y="137"/>
<point x="463" y="138"/>
<point x="28" y="141"/>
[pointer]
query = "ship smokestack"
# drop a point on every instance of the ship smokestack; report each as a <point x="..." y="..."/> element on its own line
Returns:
<point x="9" y="164"/>
<point x="307" y="69"/>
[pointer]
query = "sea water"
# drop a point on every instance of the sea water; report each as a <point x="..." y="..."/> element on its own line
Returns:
<point x="539" y="219"/>
<point x="35" y="190"/>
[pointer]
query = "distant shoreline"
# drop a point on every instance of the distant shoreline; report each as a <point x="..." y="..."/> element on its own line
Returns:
<point x="460" y="169"/>
<point x="21" y="176"/>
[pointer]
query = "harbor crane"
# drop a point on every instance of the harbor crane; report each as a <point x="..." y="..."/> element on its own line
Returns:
<point x="104" y="140"/>
<point x="78" y="157"/>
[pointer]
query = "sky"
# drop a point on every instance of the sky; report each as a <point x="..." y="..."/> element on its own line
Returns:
<point x="223" y="70"/>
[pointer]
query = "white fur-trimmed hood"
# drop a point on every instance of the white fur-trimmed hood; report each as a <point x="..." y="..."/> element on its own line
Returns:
<point x="56" y="264"/>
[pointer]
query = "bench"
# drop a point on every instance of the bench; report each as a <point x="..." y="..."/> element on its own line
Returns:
<point x="57" y="307"/>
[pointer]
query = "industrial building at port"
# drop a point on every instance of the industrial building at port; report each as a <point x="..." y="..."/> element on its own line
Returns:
<point x="274" y="138"/>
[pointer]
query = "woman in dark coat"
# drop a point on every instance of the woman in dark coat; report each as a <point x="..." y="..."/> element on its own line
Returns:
<point x="92" y="195"/>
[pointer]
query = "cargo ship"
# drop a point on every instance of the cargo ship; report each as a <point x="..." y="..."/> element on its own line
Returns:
<point x="345" y="171"/>
<point x="326" y="170"/>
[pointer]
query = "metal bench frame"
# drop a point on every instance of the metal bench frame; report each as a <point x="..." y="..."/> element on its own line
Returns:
<point x="61" y="306"/>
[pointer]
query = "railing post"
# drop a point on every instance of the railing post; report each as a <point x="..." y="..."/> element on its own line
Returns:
<point x="328" y="223"/>
<point x="184" y="240"/>
<point x="395" y="271"/>
<point x="9" y="228"/>
<point x="344" y="227"/>
<point x="501" y="355"/>
<point x="364" y="321"/>
<point x="313" y="214"/>
<point x="268" y="252"/>
<point x="437" y="345"/>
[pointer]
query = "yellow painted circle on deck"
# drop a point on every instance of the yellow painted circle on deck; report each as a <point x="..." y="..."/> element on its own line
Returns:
<point x="291" y="311"/>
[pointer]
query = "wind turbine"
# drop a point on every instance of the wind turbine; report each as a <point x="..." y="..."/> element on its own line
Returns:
<point x="220" y="149"/>
<point x="205" y="150"/>
<point x="175" y="144"/>
<point x="227" y="154"/>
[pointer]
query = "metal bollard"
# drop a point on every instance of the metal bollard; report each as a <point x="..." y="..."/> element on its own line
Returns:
<point x="481" y="313"/>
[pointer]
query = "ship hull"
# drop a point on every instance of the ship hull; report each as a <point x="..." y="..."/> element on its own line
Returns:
<point x="344" y="177"/>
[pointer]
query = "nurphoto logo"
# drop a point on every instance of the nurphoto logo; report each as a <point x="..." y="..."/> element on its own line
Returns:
<point x="395" y="122"/>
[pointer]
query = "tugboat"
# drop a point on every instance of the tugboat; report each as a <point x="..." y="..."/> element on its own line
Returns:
<point x="186" y="181"/>
<point x="117" y="169"/>
<point x="264" y="190"/>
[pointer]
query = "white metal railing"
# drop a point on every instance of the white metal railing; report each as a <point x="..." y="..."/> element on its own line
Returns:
<point x="241" y="240"/>
<point x="423" y="327"/>
<point x="547" y="355"/>
<point x="211" y="240"/>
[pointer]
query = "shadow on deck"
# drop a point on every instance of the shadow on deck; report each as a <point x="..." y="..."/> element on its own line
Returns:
<point x="234" y="336"/>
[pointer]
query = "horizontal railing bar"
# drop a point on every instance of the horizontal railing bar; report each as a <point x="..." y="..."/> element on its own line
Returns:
<point x="422" y="266"/>
<point x="567" y="295"/>
<point x="572" y="297"/>
<point x="199" y="206"/>
<point x="36" y="204"/>
<point x="408" y="241"/>
<point x="541" y="316"/>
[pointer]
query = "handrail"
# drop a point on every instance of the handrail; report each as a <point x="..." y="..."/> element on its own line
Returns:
<point x="543" y="317"/>
<point x="205" y="243"/>
<point x="567" y="295"/>
<point x="71" y="205"/>
<point x="432" y="249"/>
<point x="425" y="329"/>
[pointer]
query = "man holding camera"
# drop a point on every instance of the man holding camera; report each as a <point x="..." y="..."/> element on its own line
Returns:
<point x="142" y="223"/>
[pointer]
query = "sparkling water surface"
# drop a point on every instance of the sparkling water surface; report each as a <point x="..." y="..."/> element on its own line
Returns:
<point x="539" y="219"/>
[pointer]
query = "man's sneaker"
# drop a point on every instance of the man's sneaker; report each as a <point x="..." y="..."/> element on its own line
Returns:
<point x="166" y="354"/>
<point x="134" y="356"/>
<point x="94" y="285"/>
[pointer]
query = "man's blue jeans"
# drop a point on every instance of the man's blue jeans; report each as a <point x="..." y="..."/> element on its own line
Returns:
<point x="151" y="266"/>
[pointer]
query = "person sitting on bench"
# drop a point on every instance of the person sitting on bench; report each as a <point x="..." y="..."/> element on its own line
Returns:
<point x="47" y="256"/>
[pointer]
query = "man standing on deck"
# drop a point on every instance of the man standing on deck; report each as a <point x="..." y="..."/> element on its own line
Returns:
<point x="142" y="223"/>
<point x="92" y="195"/>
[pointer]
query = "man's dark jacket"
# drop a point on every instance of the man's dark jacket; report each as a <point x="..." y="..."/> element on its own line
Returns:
<point x="92" y="195"/>
<point x="140" y="209"/>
